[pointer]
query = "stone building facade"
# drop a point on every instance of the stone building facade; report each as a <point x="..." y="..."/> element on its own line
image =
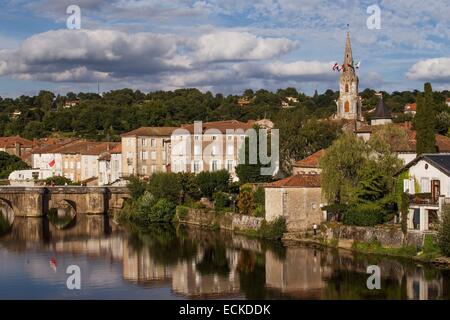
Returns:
<point x="298" y="199"/>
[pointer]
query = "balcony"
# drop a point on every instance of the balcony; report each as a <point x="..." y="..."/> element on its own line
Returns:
<point x="423" y="199"/>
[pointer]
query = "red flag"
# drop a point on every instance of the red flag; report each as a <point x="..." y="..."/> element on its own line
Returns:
<point x="51" y="163"/>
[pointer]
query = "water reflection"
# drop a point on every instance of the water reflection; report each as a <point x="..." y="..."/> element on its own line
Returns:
<point x="169" y="262"/>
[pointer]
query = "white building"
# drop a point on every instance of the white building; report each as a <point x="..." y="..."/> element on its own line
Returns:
<point x="110" y="166"/>
<point x="209" y="146"/>
<point x="427" y="180"/>
<point x="28" y="177"/>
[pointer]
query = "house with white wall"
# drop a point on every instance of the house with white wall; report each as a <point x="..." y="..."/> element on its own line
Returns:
<point x="427" y="180"/>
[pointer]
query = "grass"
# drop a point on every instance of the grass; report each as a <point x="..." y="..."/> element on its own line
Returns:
<point x="375" y="247"/>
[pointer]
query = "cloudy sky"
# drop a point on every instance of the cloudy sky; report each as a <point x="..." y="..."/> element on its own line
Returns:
<point x="220" y="45"/>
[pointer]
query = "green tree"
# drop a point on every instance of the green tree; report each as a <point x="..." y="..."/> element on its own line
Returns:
<point x="444" y="231"/>
<point x="425" y="122"/>
<point x="251" y="172"/>
<point x="10" y="163"/>
<point x="210" y="182"/>
<point x="58" y="181"/>
<point x="165" y="185"/>
<point x="341" y="166"/>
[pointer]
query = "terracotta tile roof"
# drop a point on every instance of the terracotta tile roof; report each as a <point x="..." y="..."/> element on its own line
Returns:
<point x="410" y="107"/>
<point x="86" y="148"/>
<point x="10" y="142"/>
<point x="117" y="148"/>
<point x="53" y="148"/>
<point x="150" y="132"/>
<point x="222" y="126"/>
<point x="297" y="181"/>
<point x="311" y="161"/>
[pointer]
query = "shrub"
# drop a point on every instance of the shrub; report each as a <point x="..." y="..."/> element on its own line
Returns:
<point x="260" y="211"/>
<point x="273" y="230"/>
<point x="245" y="200"/>
<point x="210" y="182"/>
<point x="260" y="196"/>
<point x="221" y="200"/>
<point x="162" y="211"/>
<point x="165" y="185"/>
<point x="444" y="232"/>
<point x="367" y="215"/>
<point x="137" y="187"/>
<point x="182" y="212"/>
<point x="58" y="181"/>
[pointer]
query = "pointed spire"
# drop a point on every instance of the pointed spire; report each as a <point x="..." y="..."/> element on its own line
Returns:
<point x="348" y="56"/>
<point x="382" y="112"/>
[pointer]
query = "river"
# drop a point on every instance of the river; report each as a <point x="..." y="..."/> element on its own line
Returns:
<point x="169" y="262"/>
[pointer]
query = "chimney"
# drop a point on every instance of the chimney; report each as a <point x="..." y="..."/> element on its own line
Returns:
<point x="17" y="149"/>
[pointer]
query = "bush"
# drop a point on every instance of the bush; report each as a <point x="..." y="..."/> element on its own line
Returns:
<point x="260" y="211"/>
<point x="444" y="232"/>
<point x="151" y="210"/>
<point x="365" y="215"/>
<point x="273" y="230"/>
<point x="210" y="182"/>
<point x="245" y="200"/>
<point x="181" y="213"/>
<point x="58" y="181"/>
<point x="260" y="196"/>
<point x="137" y="187"/>
<point x="165" y="185"/>
<point x="221" y="200"/>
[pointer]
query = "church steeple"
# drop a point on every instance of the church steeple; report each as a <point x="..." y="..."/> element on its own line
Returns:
<point x="348" y="56"/>
<point x="349" y="103"/>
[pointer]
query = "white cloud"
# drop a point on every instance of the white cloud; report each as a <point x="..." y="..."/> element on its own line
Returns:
<point x="234" y="46"/>
<point x="437" y="69"/>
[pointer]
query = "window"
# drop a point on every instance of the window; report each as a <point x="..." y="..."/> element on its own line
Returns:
<point x="197" y="138"/>
<point x="129" y="155"/>
<point x="72" y="166"/>
<point x="214" y="150"/>
<point x="214" y="137"/>
<point x="346" y="87"/>
<point x="230" y="149"/>
<point x="66" y="165"/>
<point x="144" y="142"/>
<point x="230" y="165"/>
<point x="214" y="165"/>
<point x="144" y="155"/>
<point x="197" y="150"/>
<point x="153" y="155"/>
<point x="196" y="166"/>
<point x="153" y="143"/>
<point x="153" y="168"/>
<point x="144" y="169"/>
<point x="129" y="142"/>
<point x="425" y="186"/>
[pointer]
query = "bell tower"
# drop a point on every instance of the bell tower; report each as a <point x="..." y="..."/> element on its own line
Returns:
<point x="349" y="103"/>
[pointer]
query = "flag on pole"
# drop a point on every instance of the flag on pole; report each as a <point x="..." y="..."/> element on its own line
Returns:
<point x="51" y="163"/>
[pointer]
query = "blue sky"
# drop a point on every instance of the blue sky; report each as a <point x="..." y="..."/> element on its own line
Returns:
<point x="220" y="45"/>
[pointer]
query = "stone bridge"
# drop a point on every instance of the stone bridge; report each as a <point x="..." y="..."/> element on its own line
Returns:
<point x="36" y="201"/>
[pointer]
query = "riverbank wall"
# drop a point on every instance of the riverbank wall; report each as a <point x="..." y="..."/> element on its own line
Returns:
<point x="345" y="236"/>
<point x="211" y="219"/>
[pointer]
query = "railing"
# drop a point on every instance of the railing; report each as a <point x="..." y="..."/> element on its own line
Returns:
<point x="423" y="198"/>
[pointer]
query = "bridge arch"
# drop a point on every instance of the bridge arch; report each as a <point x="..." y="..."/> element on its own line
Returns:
<point x="7" y="215"/>
<point x="63" y="214"/>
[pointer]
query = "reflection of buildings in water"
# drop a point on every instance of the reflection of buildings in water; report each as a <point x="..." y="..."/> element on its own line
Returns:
<point x="139" y="266"/>
<point x="300" y="274"/>
<point x="419" y="288"/>
<point x="187" y="280"/>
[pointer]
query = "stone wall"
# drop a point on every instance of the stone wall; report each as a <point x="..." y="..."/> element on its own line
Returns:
<point x="388" y="236"/>
<point x="228" y="220"/>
